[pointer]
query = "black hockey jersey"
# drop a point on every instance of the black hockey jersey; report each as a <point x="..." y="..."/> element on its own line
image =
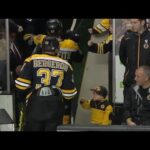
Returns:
<point x="43" y="70"/>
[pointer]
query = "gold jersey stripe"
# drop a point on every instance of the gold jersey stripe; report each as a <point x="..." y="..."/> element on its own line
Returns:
<point x="24" y="80"/>
<point x="21" y="88"/>
<point x="69" y="91"/>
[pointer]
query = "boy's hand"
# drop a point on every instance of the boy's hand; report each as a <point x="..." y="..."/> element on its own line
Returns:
<point x="130" y="122"/>
<point x="82" y="100"/>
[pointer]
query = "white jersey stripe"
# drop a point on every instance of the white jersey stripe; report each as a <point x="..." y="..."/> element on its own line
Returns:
<point x="22" y="84"/>
<point x="70" y="94"/>
<point x="68" y="50"/>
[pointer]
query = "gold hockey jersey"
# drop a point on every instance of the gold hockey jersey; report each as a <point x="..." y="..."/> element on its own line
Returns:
<point x="100" y="111"/>
<point x="69" y="49"/>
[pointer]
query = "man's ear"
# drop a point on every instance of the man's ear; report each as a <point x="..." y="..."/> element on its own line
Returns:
<point x="143" y="22"/>
<point x="147" y="78"/>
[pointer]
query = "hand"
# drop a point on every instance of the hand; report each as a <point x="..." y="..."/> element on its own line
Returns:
<point x="20" y="28"/>
<point x="27" y="37"/>
<point x="82" y="100"/>
<point x="18" y="69"/>
<point x="30" y="42"/>
<point x="130" y="122"/>
<point x="90" y="43"/>
<point x="90" y="30"/>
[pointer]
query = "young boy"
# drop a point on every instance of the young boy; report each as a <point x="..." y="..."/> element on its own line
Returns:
<point x="99" y="106"/>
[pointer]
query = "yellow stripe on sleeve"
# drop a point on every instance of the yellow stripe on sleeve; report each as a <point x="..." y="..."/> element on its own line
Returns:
<point x="21" y="87"/>
<point x="69" y="91"/>
<point x="24" y="80"/>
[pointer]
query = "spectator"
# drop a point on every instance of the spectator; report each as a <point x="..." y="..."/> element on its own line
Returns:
<point x="134" y="51"/>
<point x="137" y="101"/>
<point x="99" y="106"/>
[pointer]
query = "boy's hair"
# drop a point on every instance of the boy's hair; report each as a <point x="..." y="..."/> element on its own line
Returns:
<point x="100" y="90"/>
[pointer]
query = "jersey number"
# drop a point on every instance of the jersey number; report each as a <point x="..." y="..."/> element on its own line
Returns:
<point x="48" y="74"/>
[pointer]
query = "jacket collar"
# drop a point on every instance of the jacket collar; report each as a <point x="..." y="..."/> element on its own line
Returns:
<point x="136" y="88"/>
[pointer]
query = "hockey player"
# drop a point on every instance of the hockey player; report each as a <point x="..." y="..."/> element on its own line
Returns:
<point x="45" y="79"/>
<point x="69" y="43"/>
<point x="69" y="50"/>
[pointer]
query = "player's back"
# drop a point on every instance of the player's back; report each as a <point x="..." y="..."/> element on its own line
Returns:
<point x="47" y="70"/>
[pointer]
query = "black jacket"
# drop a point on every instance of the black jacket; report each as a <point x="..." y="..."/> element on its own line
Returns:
<point x="134" y="51"/>
<point x="137" y="104"/>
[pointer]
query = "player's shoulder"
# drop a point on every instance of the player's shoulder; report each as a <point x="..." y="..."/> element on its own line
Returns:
<point x="49" y="57"/>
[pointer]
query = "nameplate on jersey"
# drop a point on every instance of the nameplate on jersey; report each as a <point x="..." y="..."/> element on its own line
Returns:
<point x="64" y="55"/>
<point x="45" y="91"/>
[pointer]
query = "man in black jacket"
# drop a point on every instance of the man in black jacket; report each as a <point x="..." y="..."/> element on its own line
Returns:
<point x="134" y="51"/>
<point x="137" y="101"/>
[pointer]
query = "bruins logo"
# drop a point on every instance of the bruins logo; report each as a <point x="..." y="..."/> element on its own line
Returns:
<point x="102" y="106"/>
<point x="148" y="97"/>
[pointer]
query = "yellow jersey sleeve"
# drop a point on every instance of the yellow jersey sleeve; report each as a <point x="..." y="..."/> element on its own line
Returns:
<point x="108" y="111"/>
<point x="38" y="39"/>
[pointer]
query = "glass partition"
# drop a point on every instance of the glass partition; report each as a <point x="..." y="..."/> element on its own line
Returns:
<point x="3" y="56"/>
